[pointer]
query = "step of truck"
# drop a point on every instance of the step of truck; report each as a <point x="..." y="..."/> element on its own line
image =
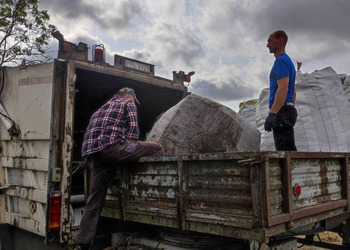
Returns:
<point x="200" y="125"/>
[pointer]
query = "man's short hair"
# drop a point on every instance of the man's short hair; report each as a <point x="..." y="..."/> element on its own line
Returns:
<point x="281" y="33"/>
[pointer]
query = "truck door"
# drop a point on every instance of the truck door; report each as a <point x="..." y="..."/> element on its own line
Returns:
<point x="27" y="99"/>
<point x="66" y="147"/>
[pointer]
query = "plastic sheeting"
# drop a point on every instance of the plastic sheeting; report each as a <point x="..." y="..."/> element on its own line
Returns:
<point x="200" y="125"/>
<point x="324" y="113"/>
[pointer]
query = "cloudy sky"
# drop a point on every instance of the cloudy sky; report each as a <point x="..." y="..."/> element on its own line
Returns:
<point x="223" y="41"/>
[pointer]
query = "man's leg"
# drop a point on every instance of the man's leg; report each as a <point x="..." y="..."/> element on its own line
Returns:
<point x="136" y="150"/>
<point x="132" y="151"/>
<point x="284" y="138"/>
<point x="283" y="132"/>
<point x="100" y="176"/>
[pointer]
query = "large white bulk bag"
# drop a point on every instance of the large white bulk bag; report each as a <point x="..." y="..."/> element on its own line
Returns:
<point x="324" y="114"/>
<point x="248" y="111"/>
<point x="346" y="87"/>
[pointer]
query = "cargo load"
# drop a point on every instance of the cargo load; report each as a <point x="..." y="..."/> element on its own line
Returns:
<point x="323" y="113"/>
<point x="200" y="125"/>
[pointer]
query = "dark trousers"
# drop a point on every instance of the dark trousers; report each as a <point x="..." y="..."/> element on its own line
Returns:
<point x="283" y="131"/>
<point x="101" y="174"/>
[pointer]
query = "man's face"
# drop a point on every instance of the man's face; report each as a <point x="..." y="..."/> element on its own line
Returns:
<point x="128" y="96"/>
<point x="274" y="43"/>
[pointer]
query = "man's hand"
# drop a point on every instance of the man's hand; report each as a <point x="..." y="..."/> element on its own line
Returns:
<point x="270" y="121"/>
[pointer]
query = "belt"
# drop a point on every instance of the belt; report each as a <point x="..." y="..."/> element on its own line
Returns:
<point x="289" y="104"/>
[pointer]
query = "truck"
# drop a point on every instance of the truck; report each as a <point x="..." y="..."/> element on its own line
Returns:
<point x="234" y="200"/>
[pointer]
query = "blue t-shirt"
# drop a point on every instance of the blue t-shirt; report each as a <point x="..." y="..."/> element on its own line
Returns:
<point x="283" y="67"/>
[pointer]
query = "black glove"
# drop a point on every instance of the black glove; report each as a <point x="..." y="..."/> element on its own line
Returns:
<point x="270" y="121"/>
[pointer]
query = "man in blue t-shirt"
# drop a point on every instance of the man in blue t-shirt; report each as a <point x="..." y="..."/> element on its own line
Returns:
<point x="283" y="115"/>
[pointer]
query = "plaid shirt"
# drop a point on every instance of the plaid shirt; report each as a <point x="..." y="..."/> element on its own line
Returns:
<point x="115" y="122"/>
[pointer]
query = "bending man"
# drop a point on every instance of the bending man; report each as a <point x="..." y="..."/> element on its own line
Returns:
<point x="111" y="138"/>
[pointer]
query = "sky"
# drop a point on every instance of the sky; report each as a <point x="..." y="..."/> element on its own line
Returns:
<point x="223" y="41"/>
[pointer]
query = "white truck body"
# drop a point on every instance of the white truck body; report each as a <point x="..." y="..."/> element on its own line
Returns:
<point x="43" y="100"/>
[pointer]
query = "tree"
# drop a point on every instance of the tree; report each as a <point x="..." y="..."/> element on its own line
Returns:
<point x="24" y="31"/>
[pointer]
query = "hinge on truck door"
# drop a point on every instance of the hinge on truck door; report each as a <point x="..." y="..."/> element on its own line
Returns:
<point x="7" y="187"/>
<point x="56" y="175"/>
<point x="3" y="188"/>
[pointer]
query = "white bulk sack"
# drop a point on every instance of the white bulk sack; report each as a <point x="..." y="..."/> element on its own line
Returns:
<point x="248" y="111"/>
<point x="346" y="87"/>
<point x="324" y="114"/>
<point x="262" y="110"/>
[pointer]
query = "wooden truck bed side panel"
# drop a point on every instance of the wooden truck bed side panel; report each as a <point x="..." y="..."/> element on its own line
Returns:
<point x="321" y="177"/>
<point x="237" y="195"/>
<point x="185" y="193"/>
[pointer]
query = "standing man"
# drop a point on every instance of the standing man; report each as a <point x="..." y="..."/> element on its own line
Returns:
<point x="110" y="139"/>
<point x="283" y="115"/>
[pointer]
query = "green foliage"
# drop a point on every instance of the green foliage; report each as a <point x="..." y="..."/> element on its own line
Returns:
<point x="24" y="30"/>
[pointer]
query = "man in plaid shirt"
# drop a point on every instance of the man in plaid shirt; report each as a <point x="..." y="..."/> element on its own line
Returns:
<point x="111" y="137"/>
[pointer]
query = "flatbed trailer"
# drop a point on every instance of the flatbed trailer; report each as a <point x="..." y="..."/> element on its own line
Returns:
<point x="254" y="196"/>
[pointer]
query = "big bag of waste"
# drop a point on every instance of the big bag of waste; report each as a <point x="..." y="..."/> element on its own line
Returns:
<point x="323" y="114"/>
<point x="200" y="125"/>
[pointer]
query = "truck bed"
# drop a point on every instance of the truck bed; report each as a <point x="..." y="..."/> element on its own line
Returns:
<point x="240" y="195"/>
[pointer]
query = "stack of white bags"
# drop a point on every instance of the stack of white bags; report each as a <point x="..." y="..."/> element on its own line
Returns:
<point x="323" y="105"/>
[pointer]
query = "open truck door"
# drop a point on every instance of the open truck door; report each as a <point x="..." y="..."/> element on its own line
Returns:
<point x="26" y="101"/>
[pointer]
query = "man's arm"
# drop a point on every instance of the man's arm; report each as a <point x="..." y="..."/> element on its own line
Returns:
<point x="281" y="94"/>
<point x="132" y="132"/>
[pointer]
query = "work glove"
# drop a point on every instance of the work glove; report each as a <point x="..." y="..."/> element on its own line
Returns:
<point x="270" y="121"/>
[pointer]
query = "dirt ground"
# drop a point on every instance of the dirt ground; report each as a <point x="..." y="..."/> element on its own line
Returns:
<point x="328" y="237"/>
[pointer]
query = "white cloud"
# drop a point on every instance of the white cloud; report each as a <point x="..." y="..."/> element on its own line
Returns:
<point x="224" y="41"/>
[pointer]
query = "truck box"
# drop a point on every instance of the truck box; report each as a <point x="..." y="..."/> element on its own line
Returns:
<point x="52" y="104"/>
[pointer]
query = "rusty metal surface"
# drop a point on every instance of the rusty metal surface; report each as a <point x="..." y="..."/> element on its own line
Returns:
<point x="159" y="81"/>
<point x="219" y="187"/>
<point x="176" y="191"/>
<point x="67" y="152"/>
<point x="24" y="165"/>
<point x="319" y="179"/>
<point x="280" y="229"/>
<point x="206" y="191"/>
<point x="153" y="190"/>
<point x="276" y="187"/>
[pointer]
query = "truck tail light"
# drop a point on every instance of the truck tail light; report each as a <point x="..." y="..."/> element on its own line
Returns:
<point x="297" y="190"/>
<point x="55" y="211"/>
